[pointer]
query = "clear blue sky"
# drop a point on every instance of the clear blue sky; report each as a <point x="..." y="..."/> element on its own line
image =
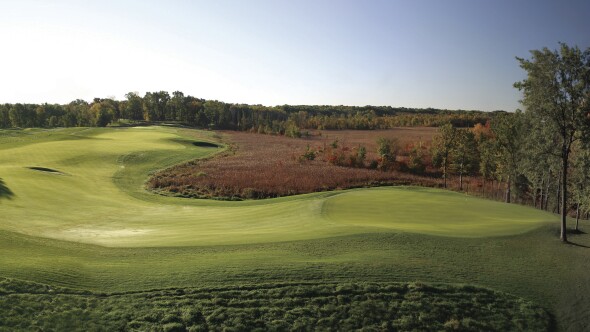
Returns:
<point x="443" y="54"/>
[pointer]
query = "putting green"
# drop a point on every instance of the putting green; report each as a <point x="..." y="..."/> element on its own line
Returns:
<point x="86" y="185"/>
<point x="431" y="211"/>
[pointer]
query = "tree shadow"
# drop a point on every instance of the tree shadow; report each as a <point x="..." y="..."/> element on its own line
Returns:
<point x="5" y="192"/>
<point x="577" y="244"/>
<point x="573" y="235"/>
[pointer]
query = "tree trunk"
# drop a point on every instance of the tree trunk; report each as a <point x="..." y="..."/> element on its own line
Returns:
<point x="547" y="192"/>
<point x="563" y="235"/>
<point x="577" y="216"/>
<point x="541" y="194"/>
<point x="558" y="195"/>
<point x="508" y="194"/>
<point x="461" y="181"/>
<point x="445" y="174"/>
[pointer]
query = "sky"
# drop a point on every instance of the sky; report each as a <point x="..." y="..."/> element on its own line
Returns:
<point x="452" y="54"/>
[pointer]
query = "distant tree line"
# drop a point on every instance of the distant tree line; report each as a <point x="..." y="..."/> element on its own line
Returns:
<point x="284" y="120"/>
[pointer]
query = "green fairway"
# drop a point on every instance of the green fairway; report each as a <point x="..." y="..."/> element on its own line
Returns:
<point x="81" y="219"/>
<point x="85" y="185"/>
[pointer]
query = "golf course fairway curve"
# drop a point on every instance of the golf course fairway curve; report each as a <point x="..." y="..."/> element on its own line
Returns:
<point x="94" y="194"/>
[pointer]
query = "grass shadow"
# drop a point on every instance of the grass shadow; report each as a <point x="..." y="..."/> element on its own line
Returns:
<point x="204" y="144"/>
<point x="5" y="192"/>
<point x="576" y="232"/>
<point x="46" y="170"/>
<point x="577" y="244"/>
<point x="573" y="235"/>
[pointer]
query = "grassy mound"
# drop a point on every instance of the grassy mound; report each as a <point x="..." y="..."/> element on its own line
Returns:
<point x="329" y="306"/>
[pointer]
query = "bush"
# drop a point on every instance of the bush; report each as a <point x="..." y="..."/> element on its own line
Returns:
<point x="309" y="154"/>
<point x="387" y="149"/>
<point x="416" y="163"/>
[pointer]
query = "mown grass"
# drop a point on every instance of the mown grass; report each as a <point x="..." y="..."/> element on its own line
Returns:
<point x="274" y="307"/>
<point x="50" y="229"/>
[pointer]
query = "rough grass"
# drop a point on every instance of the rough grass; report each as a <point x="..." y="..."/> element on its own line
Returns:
<point x="48" y="229"/>
<point x="310" y="306"/>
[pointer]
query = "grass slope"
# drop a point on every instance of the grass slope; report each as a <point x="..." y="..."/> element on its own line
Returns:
<point x="49" y="232"/>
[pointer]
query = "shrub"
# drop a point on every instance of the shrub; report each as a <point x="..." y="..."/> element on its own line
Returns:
<point x="361" y="154"/>
<point x="292" y="131"/>
<point x="387" y="148"/>
<point x="309" y="154"/>
<point x="416" y="163"/>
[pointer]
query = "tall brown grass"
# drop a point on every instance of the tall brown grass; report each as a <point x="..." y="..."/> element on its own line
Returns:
<point x="264" y="166"/>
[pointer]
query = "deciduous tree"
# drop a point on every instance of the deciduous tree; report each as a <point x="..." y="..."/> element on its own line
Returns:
<point x="465" y="159"/>
<point x="134" y="107"/>
<point x="443" y="145"/>
<point x="556" y="91"/>
<point x="580" y="181"/>
<point x="509" y="132"/>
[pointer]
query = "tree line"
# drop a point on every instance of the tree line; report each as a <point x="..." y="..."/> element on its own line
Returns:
<point x="213" y="114"/>
<point x="542" y="154"/>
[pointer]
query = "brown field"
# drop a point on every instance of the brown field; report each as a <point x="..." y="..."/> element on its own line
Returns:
<point x="260" y="166"/>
